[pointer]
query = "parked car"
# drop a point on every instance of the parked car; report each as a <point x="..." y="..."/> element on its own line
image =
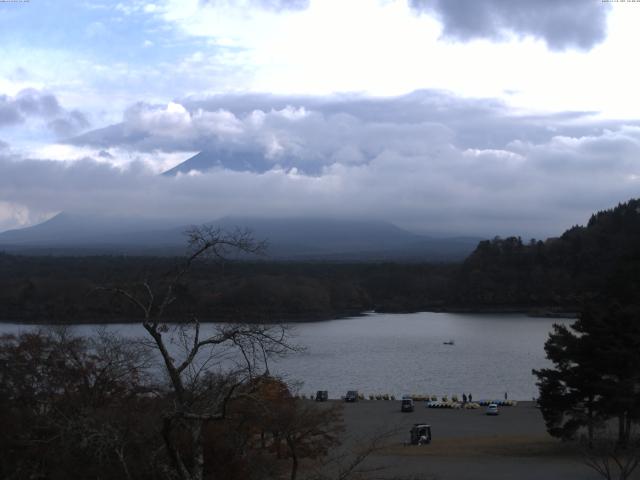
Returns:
<point x="352" y="396"/>
<point x="492" y="409"/>
<point x="406" y="404"/>
<point x="322" y="396"/>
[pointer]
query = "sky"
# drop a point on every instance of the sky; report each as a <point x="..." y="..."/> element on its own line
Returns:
<point x="445" y="117"/>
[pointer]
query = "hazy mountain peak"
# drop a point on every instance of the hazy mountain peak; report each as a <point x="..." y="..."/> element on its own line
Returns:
<point x="291" y="238"/>
<point x="230" y="160"/>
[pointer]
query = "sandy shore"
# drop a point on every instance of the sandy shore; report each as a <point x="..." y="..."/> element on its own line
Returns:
<point x="466" y="445"/>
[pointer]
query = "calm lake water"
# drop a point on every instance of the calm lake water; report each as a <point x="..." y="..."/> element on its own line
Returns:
<point x="405" y="353"/>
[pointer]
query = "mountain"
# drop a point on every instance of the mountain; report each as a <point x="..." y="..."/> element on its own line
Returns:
<point x="599" y="261"/>
<point x="238" y="161"/>
<point x="288" y="238"/>
<point x="93" y="234"/>
<point x="336" y="239"/>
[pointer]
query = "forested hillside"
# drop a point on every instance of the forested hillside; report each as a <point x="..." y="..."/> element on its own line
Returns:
<point x="556" y="275"/>
<point x="63" y="289"/>
<point x="601" y="258"/>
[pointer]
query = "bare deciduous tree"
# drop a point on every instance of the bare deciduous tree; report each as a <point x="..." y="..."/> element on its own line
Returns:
<point x="238" y="351"/>
<point x="350" y="463"/>
<point x="68" y="402"/>
<point x="610" y="458"/>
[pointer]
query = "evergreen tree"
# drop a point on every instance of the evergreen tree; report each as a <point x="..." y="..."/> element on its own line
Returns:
<point x="569" y="392"/>
<point x="596" y="374"/>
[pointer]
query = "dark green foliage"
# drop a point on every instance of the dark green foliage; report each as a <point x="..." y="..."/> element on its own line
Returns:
<point x="585" y="263"/>
<point x="569" y="392"/>
<point x="61" y="289"/>
<point x="596" y="374"/>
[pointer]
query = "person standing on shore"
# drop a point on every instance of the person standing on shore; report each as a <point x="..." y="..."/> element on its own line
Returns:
<point x="470" y="397"/>
<point x="464" y="398"/>
<point x="505" y="396"/>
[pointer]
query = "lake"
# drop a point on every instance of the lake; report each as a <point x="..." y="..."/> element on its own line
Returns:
<point x="405" y="353"/>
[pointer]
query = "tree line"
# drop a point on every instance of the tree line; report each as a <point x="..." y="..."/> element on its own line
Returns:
<point x="503" y="274"/>
<point x="61" y="289"/>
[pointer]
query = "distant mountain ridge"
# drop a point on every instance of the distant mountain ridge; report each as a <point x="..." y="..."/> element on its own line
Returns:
<point x="288" y="238"/>
<point x="72" y="229"/>
<point x="596" y="262"/>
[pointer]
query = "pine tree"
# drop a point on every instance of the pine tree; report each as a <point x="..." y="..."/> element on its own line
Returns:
<point x="596" y="374"/>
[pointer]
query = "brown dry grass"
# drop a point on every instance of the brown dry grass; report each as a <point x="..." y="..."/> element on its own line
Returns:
<point x="495" y="445"/>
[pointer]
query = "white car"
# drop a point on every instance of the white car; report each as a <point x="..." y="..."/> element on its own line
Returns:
<point x="492" y="409"/>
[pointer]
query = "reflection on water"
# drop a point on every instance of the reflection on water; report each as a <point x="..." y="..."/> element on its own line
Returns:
<point x="406" y="353"/>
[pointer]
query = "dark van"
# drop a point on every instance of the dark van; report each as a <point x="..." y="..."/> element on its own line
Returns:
<point x="322" y="396"/>
<point x="352" y="396"/>
<point x="406" y="405"/>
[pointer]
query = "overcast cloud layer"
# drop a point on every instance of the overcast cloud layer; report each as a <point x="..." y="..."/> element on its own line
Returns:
<point x="447" y="117"/>
<point x="429" y="161"/>
<point x="277" y="5"/>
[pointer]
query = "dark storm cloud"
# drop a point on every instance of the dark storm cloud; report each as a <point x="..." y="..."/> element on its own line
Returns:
<point x="561" y="24"/>
<point x="35" y="104"/>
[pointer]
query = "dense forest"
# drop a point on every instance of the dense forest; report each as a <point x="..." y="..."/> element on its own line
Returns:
<point x="599" y="259"/>
<point x="504" y="274"/>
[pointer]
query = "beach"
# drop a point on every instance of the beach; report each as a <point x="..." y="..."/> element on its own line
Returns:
<point x="466" y="444"/>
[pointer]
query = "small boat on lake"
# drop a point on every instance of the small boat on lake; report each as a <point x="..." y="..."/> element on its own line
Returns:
<point x="450" y="342"/>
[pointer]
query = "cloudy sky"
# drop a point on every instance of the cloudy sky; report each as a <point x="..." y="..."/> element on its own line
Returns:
<point x="478" y="117"/>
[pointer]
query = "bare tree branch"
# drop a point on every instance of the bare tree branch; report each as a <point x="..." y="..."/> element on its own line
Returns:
<point x="196" y="403"/>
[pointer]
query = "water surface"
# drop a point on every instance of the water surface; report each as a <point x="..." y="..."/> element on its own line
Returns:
<point x="405" y="353"/>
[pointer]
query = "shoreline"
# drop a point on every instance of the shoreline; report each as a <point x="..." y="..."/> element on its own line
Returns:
<point x="538" y="312"/>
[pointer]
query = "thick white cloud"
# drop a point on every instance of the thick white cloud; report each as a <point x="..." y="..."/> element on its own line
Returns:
<point x="469" y="192"/>
<point x="311" y="133"/>
<point x="289" y="136"/>
<point x="15" y="216"/>
<point x="277" y="5"/>
<point x="429" y="161"/>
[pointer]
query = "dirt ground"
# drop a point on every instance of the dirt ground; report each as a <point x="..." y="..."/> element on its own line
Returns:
<point x="466" y="444"/>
